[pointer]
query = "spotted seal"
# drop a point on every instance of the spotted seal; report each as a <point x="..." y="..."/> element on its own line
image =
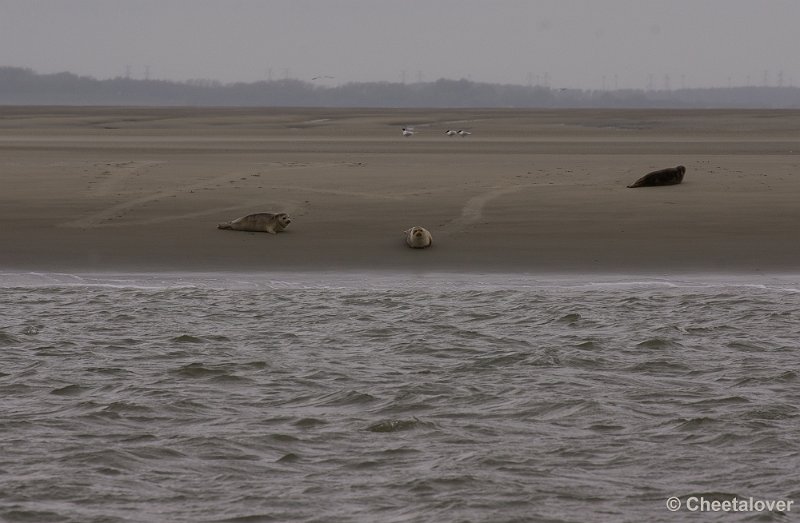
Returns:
<point x="272" y="223"/>
<point x="418" y="237"/>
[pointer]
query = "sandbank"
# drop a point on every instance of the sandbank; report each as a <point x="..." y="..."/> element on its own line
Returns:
<point x="534" y="191"/>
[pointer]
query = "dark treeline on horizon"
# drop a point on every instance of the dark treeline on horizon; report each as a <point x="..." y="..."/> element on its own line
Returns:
<point x="21" y="86"/>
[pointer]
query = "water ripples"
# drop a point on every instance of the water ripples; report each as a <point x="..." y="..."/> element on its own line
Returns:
<point x="358" y="402"/>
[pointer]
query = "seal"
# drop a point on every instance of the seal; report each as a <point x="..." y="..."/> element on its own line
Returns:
<point x="669" y="176"/>
<point x="259" y="222"/>
<point x="418" y="237"/>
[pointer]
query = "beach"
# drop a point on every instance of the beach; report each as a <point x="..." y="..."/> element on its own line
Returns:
<point x="531" y="191"/>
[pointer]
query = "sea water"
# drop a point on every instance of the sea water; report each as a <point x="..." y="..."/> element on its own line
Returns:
<point x="408" y="397"/>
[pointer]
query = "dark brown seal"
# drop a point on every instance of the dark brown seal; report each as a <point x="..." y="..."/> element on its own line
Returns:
<point x="670" y="176"/>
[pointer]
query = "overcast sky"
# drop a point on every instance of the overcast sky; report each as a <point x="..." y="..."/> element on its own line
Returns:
<point x="566" y="43"/>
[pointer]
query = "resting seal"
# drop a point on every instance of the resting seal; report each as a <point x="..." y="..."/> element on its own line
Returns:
<point x="259" y="222"/>
<point x="670" y="176"/>
<point x="418" y="237"/>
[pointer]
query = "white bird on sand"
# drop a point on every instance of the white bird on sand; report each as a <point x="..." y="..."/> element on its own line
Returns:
<point x="463" y="133"/>
<point x="450" y="132"/>
<point x="408" y="131"/>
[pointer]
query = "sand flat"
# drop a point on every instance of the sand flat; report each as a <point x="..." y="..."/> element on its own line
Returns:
<point x="142" y="189"/>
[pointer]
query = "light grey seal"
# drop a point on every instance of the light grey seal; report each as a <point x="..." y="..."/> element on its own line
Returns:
<point x="418" y="237"/>
<point x="670" y="176"/>
<point x="259" y="222"/>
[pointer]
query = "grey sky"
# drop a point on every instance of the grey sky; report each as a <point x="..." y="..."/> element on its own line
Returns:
<point x="570" y="43"/>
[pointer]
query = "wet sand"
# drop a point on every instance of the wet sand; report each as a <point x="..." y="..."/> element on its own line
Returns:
<point x="117" y="189"/>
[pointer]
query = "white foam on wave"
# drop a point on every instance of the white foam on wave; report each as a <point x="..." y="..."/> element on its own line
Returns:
<point x="376" y="280"/>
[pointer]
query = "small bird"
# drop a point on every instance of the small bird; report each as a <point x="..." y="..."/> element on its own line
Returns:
<point x="463" y="133"/>
<point x="450" y="132"/>
<point x="408" y="131"/>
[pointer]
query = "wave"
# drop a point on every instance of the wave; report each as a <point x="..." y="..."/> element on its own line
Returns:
<point x="377" y="280"/>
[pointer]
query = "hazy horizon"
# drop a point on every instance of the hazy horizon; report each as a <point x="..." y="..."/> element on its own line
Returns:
<point x="585" y="44"/>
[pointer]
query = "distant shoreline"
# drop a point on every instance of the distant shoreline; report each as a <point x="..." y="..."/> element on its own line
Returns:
<point x="21" y="86"/>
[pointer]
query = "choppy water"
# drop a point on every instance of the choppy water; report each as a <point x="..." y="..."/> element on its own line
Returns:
<point x="327" y="398"/>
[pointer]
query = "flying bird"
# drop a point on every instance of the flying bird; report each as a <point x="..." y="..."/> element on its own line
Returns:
<point x="450" y="132"/>
<point x="408" y="131"/>
<point x="463" y="133"/>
